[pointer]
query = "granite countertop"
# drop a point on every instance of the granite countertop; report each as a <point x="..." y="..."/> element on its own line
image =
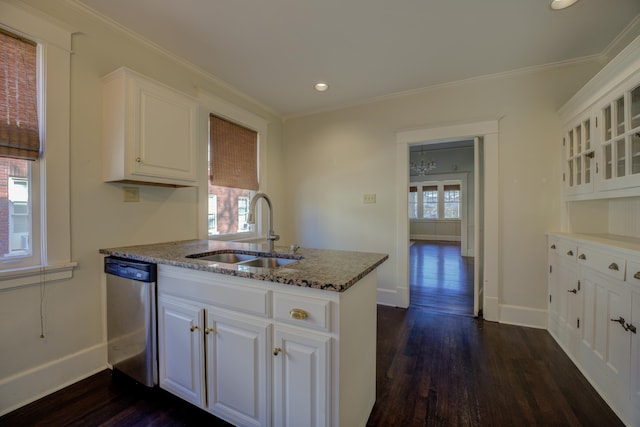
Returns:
<point x="325" y="269"/>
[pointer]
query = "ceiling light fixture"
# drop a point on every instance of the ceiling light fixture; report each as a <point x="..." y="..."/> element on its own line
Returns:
<point x="422" y="167"/>
<point x="321" y="86"/>
<point x="561" y="4"/>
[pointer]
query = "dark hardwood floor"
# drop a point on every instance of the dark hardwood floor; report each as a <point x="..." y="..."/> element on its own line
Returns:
<point x="440" y="279"/>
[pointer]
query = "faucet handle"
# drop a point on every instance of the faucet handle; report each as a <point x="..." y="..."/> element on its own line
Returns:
<point x="294" y="248"/>
<point x="272" y="236"/>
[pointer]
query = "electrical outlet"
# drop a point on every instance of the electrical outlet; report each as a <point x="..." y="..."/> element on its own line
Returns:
<point x="131" y="194"/>
<point x="369" y="198"/>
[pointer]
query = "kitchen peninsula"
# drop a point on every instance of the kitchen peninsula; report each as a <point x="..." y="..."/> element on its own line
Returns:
<point x="293" y="344"/>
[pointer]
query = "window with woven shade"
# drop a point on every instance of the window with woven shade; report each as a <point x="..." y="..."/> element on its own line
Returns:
<point x="233" y="175"/>
<point x="19" y="144"/>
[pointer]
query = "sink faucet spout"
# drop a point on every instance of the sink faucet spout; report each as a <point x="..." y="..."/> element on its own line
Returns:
<point x="251" y="218"/>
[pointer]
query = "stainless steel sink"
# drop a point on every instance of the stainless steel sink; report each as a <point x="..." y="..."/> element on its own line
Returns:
<point x="229" y="258"/>
<point x="268" y="262"/>
<point x="243" y="259"/>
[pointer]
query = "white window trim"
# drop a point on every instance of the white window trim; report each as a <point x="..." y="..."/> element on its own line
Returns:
<point x="211" y="104"/>
<point x="54" y="43"/>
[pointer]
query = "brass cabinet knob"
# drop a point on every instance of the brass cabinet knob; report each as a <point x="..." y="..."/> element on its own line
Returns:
<point x="298" y="314"/>
<point x="276" y="351"/>
<point x="613" y="266"/>
<point x="207" y="330"/>
<point x="138" y="160"/>
<point x="193" y="328"/>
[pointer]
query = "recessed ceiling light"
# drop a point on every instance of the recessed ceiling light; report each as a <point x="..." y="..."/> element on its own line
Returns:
<point x="321" y="86"/>
<point x="561" y="4"/>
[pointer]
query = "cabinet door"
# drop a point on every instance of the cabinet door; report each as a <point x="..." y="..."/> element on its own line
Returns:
<point x="605" y="343"/>
<point x="164" y="141"/>
<point x="237" y="374"/>
<point x="579" y="157"/>
<point x="552" y="283"/>
<point x="635" y="352"/>
<point x="181" y="349"/>
<point x="302" y="379"/>
<point x="568" y="303"/>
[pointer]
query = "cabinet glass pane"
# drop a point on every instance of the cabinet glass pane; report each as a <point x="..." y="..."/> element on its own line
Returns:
<point x="578" y="170"/>
<point x="607" y="123"/>
<point x="635" y="108"/>
<point x="578" y="140"/>
<point x="620" y="156"/>
<point x="608" y="162"/>
<point x="570" y="173"/>
<point x="571" y="143"/>
<point x="587" y="169"/>
<point x="587" y="135"/>
<point x="635" y="153"/>
<point x="619" y="116"/>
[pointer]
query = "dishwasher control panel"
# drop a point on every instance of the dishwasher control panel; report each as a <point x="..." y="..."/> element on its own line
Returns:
<point x="130" y="269"/>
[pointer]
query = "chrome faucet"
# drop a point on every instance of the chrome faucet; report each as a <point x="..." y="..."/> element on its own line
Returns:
<point x="251" y="218"/>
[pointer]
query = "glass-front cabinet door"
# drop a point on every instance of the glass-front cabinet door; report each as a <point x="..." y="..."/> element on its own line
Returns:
<point x="579" y="157"/>
<point x="620" y="145"/>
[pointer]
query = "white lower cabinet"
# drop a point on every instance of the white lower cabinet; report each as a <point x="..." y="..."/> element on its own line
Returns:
<point x="603" y="341"/>
<point x="257" y="353"/>
<point x="302" y="383"/>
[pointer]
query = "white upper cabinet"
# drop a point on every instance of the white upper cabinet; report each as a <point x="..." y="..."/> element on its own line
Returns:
<point x="601" y="141"/>
<point x="149" y="132"/>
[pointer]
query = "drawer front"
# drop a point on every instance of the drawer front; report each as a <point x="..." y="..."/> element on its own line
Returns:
<point x="633" y="273"/>
<point x="565" y="249"/>
<point x="302" y="311"/>
<point x="609" y="264"/>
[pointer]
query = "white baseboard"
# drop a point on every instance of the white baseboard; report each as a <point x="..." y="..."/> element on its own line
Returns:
<point x="490" y="310"/>
<point x="389" y="297"/>
<point x="28" y="386"/>
<point x="523" y="316"/>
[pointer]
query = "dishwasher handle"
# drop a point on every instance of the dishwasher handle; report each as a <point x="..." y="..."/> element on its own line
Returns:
<point x="130" y="269"/>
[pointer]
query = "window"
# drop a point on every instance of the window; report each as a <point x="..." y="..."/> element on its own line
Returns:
<point x="19" y="149"/>
<point x="436" y="200"/>
<point x="33" y="248"/>
<point x="233" y="175"/>
<point x="212" y="212"/>
<point x="430" y="201"/>
<point x="451" y="197"/>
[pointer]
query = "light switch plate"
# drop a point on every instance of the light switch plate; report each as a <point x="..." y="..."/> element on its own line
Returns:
<point x="369" y="198"/>
<point x="131" y="194"/>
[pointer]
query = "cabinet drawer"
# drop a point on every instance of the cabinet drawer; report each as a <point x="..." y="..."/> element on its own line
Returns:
<point x="604" y="262"/>
<point x="633" y="273"/>
<point x="302" y="311"/>
<point x="565" y="250"/>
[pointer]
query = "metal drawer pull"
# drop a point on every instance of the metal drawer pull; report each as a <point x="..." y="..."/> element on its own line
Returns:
<point x="582" y="256"/>
<point x="637" y="275"/>
<point x="613" y="266"/>
<point x="620" y="320"/>
<point x="573" y="291"/>
<point x="298" y="314"/>
<point x="570" y="253"/>
<point x="630" y="327"/>
<point x="553" y="246"/>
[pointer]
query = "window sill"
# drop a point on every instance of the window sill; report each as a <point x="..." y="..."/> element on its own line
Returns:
<point x="434" y="219"/>
<point x="26" y="276"/>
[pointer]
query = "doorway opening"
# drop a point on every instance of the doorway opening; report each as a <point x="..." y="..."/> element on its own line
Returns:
<point x="441" y="211"/>
<point x="486" y="233"/>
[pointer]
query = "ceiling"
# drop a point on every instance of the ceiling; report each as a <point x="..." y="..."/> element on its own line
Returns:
<point x="275" y="50"/>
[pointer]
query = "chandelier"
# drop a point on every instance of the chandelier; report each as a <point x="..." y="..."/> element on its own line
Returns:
<point x="422" y="167"/>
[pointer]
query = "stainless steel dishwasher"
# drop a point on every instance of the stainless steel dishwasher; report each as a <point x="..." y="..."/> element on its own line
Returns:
<point x="131" y="318"/>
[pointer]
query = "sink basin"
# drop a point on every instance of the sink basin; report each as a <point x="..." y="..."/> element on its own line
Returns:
<point x="268" y="262"/>
<point x="229" y="258"/>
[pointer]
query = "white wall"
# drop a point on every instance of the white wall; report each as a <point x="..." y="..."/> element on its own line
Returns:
<point x="74" y="343"/>
<point x="335" y="157"/>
